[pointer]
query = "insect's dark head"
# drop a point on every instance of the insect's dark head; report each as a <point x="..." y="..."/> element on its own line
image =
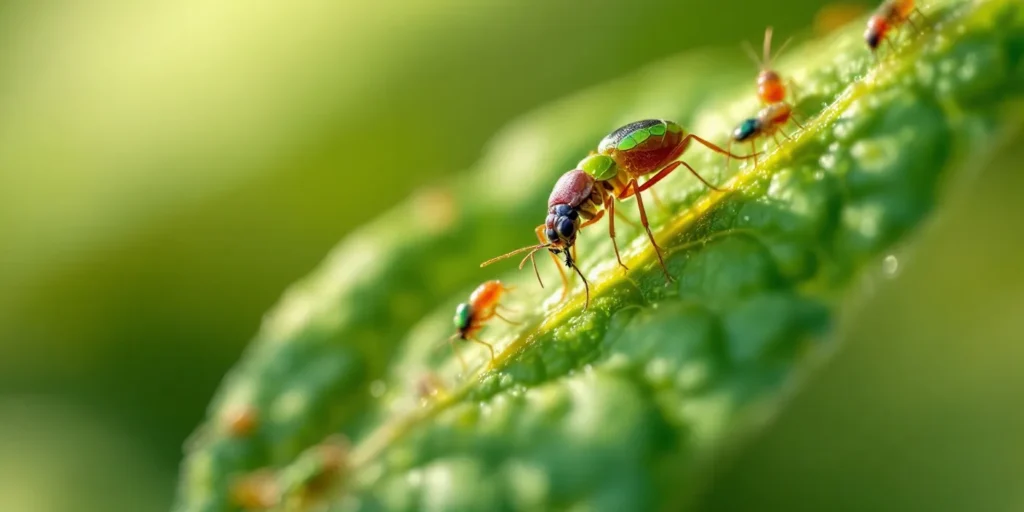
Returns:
<point x="876" y="30"/>
<point x="463" y="319"/>
<point x="747" y="129"/>
<point x="561" y="226"/>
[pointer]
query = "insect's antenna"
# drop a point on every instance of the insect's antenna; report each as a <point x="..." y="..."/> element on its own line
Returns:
<point x="752" y="54"/>
<point x="532" y="259"/>
<point x="586" y="286"/>
<point x="782" y="48"/>
<point x="766" y="48"/>
<point x="533" y="248"/>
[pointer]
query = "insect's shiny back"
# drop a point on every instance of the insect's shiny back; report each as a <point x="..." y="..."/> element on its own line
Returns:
<point x="643" y="147"/>
<point x="487" y="295"/>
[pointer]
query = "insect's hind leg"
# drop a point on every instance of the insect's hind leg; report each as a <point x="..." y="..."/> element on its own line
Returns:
<point x="643" y="220"/>
<point x="479" y="341"/>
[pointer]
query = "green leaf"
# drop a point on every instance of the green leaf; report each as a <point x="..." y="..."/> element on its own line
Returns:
<point x="622" y="405"/>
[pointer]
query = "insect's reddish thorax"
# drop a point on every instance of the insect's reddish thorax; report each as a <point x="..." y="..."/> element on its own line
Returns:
<point x="780" y="115"/>
<point x="878" y="24"/>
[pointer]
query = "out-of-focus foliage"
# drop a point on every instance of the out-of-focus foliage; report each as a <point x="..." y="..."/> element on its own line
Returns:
<point x="626" y="404"/>
<point x="167" y="168"/>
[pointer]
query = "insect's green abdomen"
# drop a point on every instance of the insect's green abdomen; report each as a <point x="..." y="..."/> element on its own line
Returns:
<point x="634" y="134"/>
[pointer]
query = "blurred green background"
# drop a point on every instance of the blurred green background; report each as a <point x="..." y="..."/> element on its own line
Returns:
<point x="168" y="168"/>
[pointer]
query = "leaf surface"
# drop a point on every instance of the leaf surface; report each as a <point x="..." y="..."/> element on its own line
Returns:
<point x="621" y="405"/>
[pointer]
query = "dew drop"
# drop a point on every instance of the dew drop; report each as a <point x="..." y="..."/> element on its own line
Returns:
<point x="378" y="388"/>
<point x="890" y="265"/>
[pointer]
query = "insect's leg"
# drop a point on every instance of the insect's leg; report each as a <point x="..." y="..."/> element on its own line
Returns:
<point x="892" y="48"/>
<point x="714" y="147"/>
<point x="506" y="319"/>
<point x="593" y="220"/>
<point x="661" y="175"/>
<point x="609" y="202"/>
<point x="797" y="121"/>
<point x="502" y="307"/>
<point x="558" y="264"/>
<point x="490" y="347"/>
<point x="728" y="155"/>
<point x="920" y="13"/>
<point x="792" y="86"/>
<point x="643" y="220"/>
<point x="657" y="202"/>
<point x="631" y="191"/>
<point x="624" y="218"/>
<point x="455" y="350"/>
<point x="917" y="29"/>
<point x="775" y="136"/>
<point x="784" y="134"/>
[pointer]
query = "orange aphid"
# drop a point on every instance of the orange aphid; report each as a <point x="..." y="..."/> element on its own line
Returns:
<point x="258" y="490"/>
<point x="770" y="86"/>
<point x="241" y="421"/>
<point x="891" y="14"/>
<point x="328" y="469"/>
<point x="471" y="316"/>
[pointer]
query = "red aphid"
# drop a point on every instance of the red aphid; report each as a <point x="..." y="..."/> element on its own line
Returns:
<point x="890" y="15"/>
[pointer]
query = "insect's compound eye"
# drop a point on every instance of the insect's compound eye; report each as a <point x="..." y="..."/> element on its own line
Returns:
<point x="562" y="210"/>
<point x="552" y="235"/>
<point x="566" y="227"/>
<point x="549" y="222"/>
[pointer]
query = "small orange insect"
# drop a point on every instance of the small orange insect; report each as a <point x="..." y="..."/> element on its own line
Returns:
<point x="258" y="490"/>
<point x="890" y="15"/>
<point x="241" y="421"/>
<point x="770" y="86"/>
<point x="471" y="316"/>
